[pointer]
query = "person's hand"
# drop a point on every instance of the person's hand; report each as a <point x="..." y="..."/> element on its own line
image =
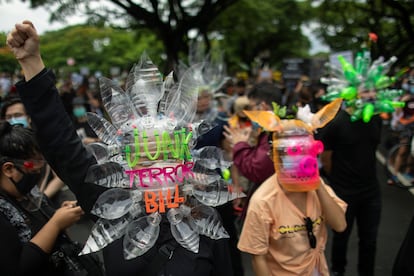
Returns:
<point x="236" y="135"/>
<point x="66" y="216"/>
<point x="89" y="140"/>
<point x="24" y="41"/>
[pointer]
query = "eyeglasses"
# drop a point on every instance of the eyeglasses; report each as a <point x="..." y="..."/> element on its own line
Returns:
<point x="31" y="164"/>
<point x="309" y="231"/>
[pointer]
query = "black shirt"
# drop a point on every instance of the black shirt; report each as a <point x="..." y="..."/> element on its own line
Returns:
<point x="353" y="158"/>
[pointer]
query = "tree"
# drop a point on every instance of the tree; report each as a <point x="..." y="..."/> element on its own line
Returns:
<point x="7" y="61"/>
<point x="345" y="26"/>
<point x="98" y="49"/>
<point x="270" y="31"/>
<point x="170" y="20"/>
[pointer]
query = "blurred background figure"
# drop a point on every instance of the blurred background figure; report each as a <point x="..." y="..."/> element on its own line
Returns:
<point x="96" y="104"/>
<point x="13" y="111"/>
<point x="80" y="121"/>
<point x="67" y="94"/>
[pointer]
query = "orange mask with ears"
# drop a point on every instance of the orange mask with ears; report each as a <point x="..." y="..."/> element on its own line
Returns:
<point x="294" y="149"/>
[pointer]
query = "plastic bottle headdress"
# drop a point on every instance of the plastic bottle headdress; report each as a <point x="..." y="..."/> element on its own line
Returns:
<point x="148" y="163"/>
<point x="294" y="150"/>
<point x="349" y="82"/>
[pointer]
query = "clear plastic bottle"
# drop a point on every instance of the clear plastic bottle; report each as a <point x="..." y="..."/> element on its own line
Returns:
<point x="169" y="95"/>
<point x="109" y="174"/>
<point x="106" y="231"/>
<point x="141" y="235"/>
<point x="118" y="105"/>
<point x="184" y="229"/>
<point x="103" y="129"/>
<point x="208" y="222"/>
<point x="216" y="193"/>
<point x="210" y="157"/>
<point x="104" y="153"/>
<point x="334" y="81"/>
<point x="145" y="86"/>
<point x="116" y="202"/>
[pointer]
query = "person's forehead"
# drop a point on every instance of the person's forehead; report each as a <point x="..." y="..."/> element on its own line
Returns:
<point x="16" y="108"/>
<point x="204" y="94"/>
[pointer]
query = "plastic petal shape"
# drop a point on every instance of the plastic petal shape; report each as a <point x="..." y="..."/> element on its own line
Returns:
<point x="184" y="229"/>
<point x="103" y="129"/>
<point x="208" y="222"/>
<point x="141" y="235"/>
<point x="215" y="194"/>
<point x="113" y="203"/>
<point x="109" y="174"/>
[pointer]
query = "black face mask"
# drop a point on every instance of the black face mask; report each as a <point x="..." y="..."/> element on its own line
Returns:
<point x="28" y="181"/>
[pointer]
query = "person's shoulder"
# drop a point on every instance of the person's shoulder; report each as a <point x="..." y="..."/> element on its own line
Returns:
<point x="266" y="191"/>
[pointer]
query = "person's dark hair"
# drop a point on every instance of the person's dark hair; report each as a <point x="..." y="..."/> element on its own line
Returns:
<point x="96" y="94"/>
<point x="241" y="83"/>
<point x="17" y="142"/>
<point x="266" y="92"/>
<point x="7" y="102"/>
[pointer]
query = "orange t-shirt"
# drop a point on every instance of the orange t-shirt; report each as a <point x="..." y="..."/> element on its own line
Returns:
<point x="275" y="227"/>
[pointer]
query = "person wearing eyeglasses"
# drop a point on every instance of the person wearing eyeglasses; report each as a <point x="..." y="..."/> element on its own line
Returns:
<point x="14" y="112"/>
<point x="29" y="237"/>
<point x="285" y="230"/>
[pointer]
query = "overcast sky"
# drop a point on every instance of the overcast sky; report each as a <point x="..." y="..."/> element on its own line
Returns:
<point x="17" y="11"/>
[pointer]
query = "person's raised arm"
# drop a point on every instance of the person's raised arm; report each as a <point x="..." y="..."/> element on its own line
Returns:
<point x="24" y="42"/>
<point x="333" y="213"/>
<point x="56" y="135"/>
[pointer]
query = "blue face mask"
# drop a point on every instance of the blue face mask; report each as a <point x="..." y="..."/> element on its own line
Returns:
<point x="79" y="112"/>
<point x="408" y="87"/>
<point x="19" y="121"/>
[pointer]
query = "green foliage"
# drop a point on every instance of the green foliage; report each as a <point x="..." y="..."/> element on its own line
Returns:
<point x="249" y="31"/>
<point x="282" y="111"/>
<point x="345" y="26"/>
<point x="98" y="49"/>
<point x="270" y="30"/>
<point x="7" y="61"/>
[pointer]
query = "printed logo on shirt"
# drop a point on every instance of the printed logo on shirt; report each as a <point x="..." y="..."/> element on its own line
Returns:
<point x="285" y="229"/>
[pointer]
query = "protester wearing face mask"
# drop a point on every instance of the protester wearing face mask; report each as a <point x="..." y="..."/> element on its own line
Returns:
<point x="29" y="238"/>
<point x="85" y="132"/>
<point x="14" y="112"/>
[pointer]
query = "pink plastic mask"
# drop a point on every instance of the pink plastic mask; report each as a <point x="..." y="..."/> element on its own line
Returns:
<point x="296" y="162"/>
<point x="293" y="147"/>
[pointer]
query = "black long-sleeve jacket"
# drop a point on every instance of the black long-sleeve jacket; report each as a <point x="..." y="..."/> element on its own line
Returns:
<point x="67" y="156"/>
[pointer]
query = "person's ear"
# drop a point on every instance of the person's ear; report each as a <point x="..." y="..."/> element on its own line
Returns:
<point x="264" y="106"/>
<point x="7" y="169"/>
